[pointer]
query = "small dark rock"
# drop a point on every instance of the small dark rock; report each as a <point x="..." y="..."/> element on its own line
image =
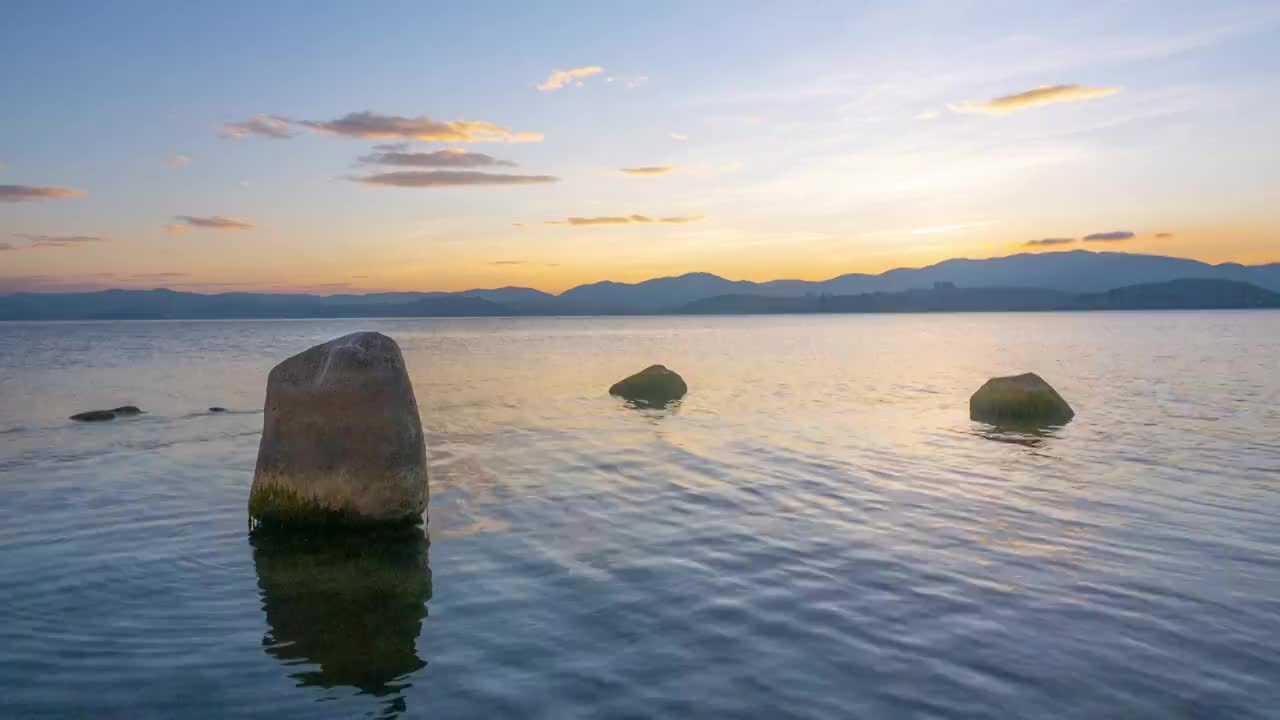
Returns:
<point x="94" y="416"/>
<point x="1019" y="400"/>
<point x="655" y="385"/>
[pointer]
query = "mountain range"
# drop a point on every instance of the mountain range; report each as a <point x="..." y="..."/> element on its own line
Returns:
<point x="1041" y="281"/>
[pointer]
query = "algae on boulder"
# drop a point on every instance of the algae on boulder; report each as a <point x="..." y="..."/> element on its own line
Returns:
<point x="1025" y="400"/>
<point x="341" y="438"/>
<point x="655" y="385"/>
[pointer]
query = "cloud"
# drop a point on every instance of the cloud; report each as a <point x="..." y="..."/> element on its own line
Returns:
<point x="48" y="241"/>
<point x="651" y="170"/>
<point x="927" y="115"/>
<point x="630" y="82"/>
<point x="1049" y="241"/>
<point x="447" y="158"/>
<point x="450" y="178"/>
<point x="1043" y="95"/>
<point x="212" y="222"/>
<point x="373" y="126"/>
<point x="559" y="78"/>
<point x="1113" y="236"/>
<point x="1163" y="235"/>
<point x="269" y="126"/>
<point x="622" y="220"/>
<point x="177" y="160"/>
<point x="32" y="193"/>
<point x="679" y="136"/>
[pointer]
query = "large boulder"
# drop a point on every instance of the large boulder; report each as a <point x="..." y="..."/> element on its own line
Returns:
<point x="1025" y="400"/>
<point x="341" y="439"/>
<point x="655" y="385"/>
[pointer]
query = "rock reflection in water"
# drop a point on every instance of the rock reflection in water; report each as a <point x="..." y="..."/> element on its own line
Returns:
<point x="345" y="608"/>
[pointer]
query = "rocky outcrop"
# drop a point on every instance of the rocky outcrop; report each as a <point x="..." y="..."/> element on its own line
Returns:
<point x="653" y="386"/>
<point x="1025" y="400"/>
<point x="341" y="439"/>
<point x="112" y="414"/>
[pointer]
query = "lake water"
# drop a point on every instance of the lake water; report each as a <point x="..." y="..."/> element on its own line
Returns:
<point x="817" y="531"/>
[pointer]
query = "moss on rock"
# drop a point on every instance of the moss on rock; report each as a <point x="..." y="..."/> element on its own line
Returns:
<point x="655" y="385"/>
<point x="1019" y="400"/>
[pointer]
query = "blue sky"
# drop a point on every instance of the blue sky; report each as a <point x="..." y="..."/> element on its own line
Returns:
<point x="801" y="140"/>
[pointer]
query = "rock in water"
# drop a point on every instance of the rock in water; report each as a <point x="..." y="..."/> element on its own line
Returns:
<point x="112" y="414"/>
<point x="1019" y="400"/>
<point x="341" y="438"/>
<point x="94" y="416"/>
<point x="655" y="385"/>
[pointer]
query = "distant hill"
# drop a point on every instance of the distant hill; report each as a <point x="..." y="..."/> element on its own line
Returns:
<point x="1192" y="293"/>
<point x="1017" y="282"/>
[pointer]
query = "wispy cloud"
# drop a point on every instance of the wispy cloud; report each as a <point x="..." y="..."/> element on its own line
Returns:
<point x="1049" y="241"/>
<point x="177" y="160"/>
<point x="1039" y="97"/>
<point x="651" y="170"/>
<point x="447" y="158"/>
<point x="630" y="82"/>
<point x="373" y="126"/>
<point x="50" y="241"/>
<point x="32" y="193"/>
<point x="261" y="125"/>
<point x="679" y="136"/>
<point x="212" y="222"/>
<point x="559" y="78"/>
<point x="927" y="115"/>
<point x="449" y="178"/>
<point x="622" y="220"/>
<point x="1113" y="236"/>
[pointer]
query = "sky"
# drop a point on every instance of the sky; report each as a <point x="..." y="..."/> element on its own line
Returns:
<point x="339" y="147"/>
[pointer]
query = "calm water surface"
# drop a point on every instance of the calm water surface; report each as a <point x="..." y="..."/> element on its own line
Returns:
<point x="818" y="531"/>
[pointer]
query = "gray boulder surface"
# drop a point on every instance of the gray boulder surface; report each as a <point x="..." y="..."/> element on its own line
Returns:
<point x="342" y="441"/>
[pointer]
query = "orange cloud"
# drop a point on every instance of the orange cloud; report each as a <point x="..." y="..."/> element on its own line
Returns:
<point x="270" y="126"/>
<point x="1039" y="97"/>
<point x="33" y="193"/>
<point x="622" y="220"/>
<point x="447" y="158"/>
<point x="559" y="78"/>
<point x="651" y="170"/>
<point x="373" y="126"/>
<point x="212" y="222"/>
<point x="450" y="178"/>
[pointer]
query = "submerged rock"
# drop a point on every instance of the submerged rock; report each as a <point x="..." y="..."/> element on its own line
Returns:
<point x="655" y="385"/>
<point x="94" y="416"/>
<point x="112" y="414"/>
<point x="341" y="438"/>
<point x="1025" y="400"/>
